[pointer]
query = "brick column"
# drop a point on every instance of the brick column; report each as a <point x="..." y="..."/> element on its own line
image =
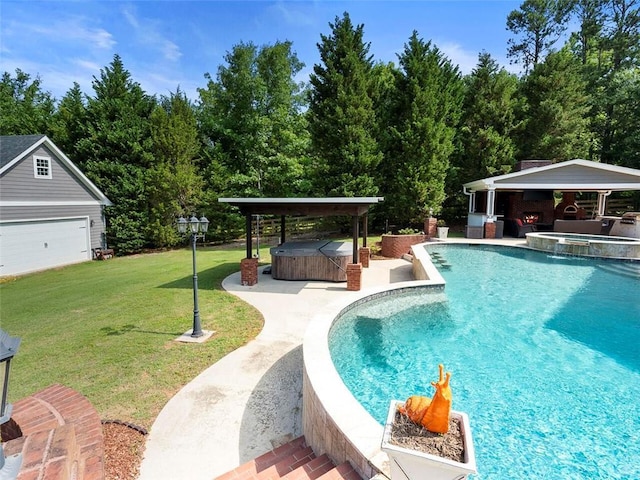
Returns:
<point x="363" y="255"/>
<point x="354" y="276"/>
<point x="249" y="271"/>
<point x="431" y="227"/>
<point x="490" y="230"/>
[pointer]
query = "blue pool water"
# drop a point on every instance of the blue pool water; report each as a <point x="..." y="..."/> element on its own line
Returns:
<point x="544" y="353"/>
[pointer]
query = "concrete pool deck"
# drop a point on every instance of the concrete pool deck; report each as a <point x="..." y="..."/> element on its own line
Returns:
<point x="251" y="400"/>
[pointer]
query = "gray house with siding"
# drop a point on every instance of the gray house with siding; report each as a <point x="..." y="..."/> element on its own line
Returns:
<point x="51" y="214"/>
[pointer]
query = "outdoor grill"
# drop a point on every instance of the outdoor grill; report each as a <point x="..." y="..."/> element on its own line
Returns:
<point x="627" y="226"/>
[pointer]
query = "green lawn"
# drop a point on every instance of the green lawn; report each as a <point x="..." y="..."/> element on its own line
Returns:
<point x="107" y="329"/>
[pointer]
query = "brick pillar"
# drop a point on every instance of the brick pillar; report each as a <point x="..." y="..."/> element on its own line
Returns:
<point x="249" y="271"/>
<point x="490" y="230"/>
<point x="431" y="227"/>
<point x="354" y="276"/>
<point x="363" y="255"/>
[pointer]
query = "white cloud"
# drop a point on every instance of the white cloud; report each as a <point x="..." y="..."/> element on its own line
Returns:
<point x="171" y="51"/>
<point x="465" y="59"/>
<point x="290" y="15"/>
<point x="130" y="17"/>
<point x="71" y="29"/>
<point x="148" y="32"/>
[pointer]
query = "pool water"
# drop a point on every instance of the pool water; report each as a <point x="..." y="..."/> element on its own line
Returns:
<point x="544" y="353"/>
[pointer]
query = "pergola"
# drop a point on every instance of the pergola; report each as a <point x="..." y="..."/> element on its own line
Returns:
<point x="569" y="176"/>
<point x="355" y="207"/>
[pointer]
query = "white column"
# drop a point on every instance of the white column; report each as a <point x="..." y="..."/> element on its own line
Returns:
<point x="491" y="205"/>
<point x="602" y="202"/>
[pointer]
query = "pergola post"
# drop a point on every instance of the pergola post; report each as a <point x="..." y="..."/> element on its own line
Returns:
<point x="249" y="234"/>
<point x="355" y="222"/>
<point x="365" y="229"/>
<point x="364" y="253"/>
<point x="283" y="228"/>
<point x="249" y="265"/>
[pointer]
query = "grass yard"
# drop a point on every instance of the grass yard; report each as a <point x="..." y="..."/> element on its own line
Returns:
<point x="107" y="329"/>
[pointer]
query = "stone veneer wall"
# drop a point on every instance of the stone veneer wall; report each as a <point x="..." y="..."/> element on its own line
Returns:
<point x="322" y="433"/>
<point x="333" y="421"/>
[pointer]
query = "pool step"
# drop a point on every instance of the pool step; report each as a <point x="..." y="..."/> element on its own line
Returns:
<point x="291" y="461"/>
<point x="627" y="269"/>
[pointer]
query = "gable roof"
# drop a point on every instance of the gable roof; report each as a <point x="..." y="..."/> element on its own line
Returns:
<point x="14" y="148"/>
<point x="576" y="175"/>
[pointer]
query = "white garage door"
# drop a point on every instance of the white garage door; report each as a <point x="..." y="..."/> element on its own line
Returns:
<point x="30" y="246"/>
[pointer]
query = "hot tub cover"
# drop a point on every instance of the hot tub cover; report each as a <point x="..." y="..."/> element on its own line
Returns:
<point x="311" y="248"/>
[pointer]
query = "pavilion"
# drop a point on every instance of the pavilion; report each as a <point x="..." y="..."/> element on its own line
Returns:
<point x="355" y="207"/>
<point x="528" y="191"/>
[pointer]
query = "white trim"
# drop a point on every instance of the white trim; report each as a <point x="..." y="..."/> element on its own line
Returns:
<point x="567" y="187"/>
<point x="485" y="183"/>
<point x="102" y="198"/>
<point x="49" y="166"/>
<point x="44" y="203"/>
<point x="48" y="219"/>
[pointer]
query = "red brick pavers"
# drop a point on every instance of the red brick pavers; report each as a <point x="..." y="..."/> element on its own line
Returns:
<point x="61" y="436"/>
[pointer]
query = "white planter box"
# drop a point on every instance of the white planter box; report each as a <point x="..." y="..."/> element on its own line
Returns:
<point x="443" y="232"/>
<point x="409" y="464"/>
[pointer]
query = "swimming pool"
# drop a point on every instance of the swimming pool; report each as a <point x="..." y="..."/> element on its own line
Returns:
<point x="543" y="350"/>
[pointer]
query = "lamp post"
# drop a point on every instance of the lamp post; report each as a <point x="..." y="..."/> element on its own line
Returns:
<point x="8" y="348"/>
<point x="195" y="227"/>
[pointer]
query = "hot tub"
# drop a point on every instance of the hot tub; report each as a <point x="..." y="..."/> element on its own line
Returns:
<point x="585" y="245"/>
<point x="311" y="260"/>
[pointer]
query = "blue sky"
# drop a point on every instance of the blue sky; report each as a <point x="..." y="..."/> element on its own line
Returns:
<point x="166" y="44"/>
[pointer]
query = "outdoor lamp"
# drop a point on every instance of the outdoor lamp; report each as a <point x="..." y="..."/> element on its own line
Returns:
<point x="204" y="224"/>
<point x="182" y="225"/>
<point x="195" y="226"/>
<point x="8" y="348"/>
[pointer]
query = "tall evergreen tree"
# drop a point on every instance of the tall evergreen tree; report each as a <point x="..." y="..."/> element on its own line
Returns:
<point x="485" y="135"/>
<point x="25" y="108"/>
<point x="341" y="114"/>
<point x="425" y="115"/>
<point x="540" y="23"/>
<point x="116" y="151"/>
<point x="173" y="184"/>
<point x="69" y="121"/>
<point x="556" y="121"/>
<point x="620" y="50"/>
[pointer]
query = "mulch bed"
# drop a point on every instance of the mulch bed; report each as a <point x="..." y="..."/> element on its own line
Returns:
<point x="123" y="449"/>
<point x="406" y="434"/>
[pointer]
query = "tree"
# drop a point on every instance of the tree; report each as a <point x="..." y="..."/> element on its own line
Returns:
<point x="26" y="109"/>
<point x="541" y="23"/>
<point x="428" y="99"/>
<point x="591" y="17"/>
<point x="556" y="113"/>
<point x="116" y="151"/>
<point x="623" y="36"/>
<point x="173" y="184"/>
<point x="68" y="123"/>
<point x="486" y="146"/>
<point x="624" y="147"/>
<point x="341" y="114"/>
<point x="251" y="117"/>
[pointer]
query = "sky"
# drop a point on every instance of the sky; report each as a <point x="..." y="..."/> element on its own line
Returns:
<point x="169" y="44"/>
